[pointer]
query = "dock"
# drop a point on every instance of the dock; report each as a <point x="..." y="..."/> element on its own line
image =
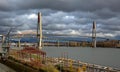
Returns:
<point x="78" y="64"/>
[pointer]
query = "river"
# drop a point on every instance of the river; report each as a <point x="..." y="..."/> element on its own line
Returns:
<point x="101" y="56"/>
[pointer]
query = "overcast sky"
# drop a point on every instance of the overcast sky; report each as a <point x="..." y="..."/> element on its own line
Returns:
<point x="73" y="17"/>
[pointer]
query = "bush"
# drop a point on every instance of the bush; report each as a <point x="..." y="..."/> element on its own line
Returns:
<point x="48" y="68"/>
<point x="24" y="67"/>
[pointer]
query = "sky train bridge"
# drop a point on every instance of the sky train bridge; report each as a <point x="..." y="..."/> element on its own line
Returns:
<point x="54" y="40"/>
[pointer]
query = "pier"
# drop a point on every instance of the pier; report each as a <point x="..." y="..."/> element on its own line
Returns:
<point x="85" y="67"/>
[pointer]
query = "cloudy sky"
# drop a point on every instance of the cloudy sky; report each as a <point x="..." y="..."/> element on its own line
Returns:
<point x="72" y="17"/>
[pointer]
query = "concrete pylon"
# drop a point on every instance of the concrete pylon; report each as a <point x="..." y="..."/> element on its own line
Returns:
<point x="19" y="43"/>
<point x="39" y="31"/>
<point x="3" y="39"/>
<point x="94" y="34"/>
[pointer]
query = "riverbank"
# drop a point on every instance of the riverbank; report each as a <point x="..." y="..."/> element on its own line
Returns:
<point x="19" y="66"/>
<point x="61" y="64"/>
<point x="16" y="66"/>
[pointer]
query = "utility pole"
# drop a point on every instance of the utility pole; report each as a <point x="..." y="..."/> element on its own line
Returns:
<point x="94" y="34"/>
<point x="39" y="31"/>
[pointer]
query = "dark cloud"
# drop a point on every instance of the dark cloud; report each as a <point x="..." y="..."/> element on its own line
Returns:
<point x="64" y="5"/>
<point x="105" y="13"/>
<point x="61" y="16"/>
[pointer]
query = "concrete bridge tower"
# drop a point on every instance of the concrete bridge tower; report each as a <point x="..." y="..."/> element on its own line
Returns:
<point x="39" y="31"/>
<point x="94" y="34"/>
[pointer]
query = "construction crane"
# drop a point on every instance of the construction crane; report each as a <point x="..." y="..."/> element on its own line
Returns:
<point x="6" y="41"/>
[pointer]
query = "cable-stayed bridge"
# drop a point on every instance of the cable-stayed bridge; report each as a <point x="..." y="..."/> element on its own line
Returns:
<point x="56" y="37"/>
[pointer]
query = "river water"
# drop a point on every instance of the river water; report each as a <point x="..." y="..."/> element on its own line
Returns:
<point x="101" y="56"/>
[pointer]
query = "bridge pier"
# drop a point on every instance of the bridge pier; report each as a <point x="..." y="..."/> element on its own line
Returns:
<point x="94" y="34"/>
<point x="39" y="31"/>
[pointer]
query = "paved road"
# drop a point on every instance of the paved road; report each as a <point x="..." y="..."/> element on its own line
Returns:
<point x="4" y="68"/>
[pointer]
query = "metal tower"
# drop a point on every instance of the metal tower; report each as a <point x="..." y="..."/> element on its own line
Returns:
<point x="6" y="42"/>
<point x="94" y="34"/>
<point x="39" y="31"/>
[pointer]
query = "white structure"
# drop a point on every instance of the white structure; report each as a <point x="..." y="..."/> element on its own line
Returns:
<point x="94" y="34"/>
<point x="3" y="38"/>
<point x="39" y="31"/>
